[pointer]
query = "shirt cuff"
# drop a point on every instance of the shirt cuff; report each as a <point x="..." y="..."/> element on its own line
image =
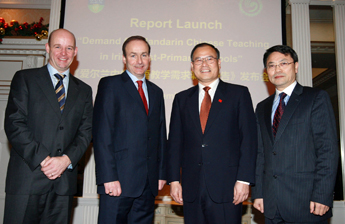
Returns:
<point x="70" y="167"/>
<point x="243" y="182"/>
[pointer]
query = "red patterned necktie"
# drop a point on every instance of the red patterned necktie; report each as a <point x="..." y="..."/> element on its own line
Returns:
<point x="205" y="108"/>
<point x="278" y="114"/>
<point x="142" y="95"/>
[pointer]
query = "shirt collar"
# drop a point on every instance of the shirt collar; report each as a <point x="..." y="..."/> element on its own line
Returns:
<point x="53" y="71"/>
<point x="134" y="78"/>
<point x="213" y="85"/>
<point x="288" y="90"/>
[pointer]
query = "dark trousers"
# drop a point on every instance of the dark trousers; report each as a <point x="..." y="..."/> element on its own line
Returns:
<point x="205" y="211"/>
<point x="123" y="210"/>
<point x="279" y="220"/>
<point x="48" y="208"/>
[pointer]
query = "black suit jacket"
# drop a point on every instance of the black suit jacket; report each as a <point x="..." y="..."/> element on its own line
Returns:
<point x="300" y="164"/>
<point x="36" y="129"/>
<point x="226" y="152"/>
<point x="129" y="145"/>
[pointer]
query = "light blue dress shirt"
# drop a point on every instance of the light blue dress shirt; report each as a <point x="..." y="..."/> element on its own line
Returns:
<point x="135" y="79"/>
<point x="53" y="71"/>
<point x="288" y="90"/>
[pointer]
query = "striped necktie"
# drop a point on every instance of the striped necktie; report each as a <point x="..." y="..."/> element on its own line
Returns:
<point x="278" y="114"/>
<point x="60" y="91"/>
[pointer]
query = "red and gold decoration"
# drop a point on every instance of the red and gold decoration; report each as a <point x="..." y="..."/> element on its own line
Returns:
<point x="37" y="30"/>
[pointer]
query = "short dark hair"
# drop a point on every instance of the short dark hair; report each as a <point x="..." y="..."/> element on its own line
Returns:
<point x="203" y="45"/>
<point x="51" y="34"/>
<point x="286" y="50"/>
<point x="129" y="39"/>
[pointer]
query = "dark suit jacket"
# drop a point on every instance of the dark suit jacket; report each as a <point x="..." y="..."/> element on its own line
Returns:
<point x="129" y="145"/>
<point x="226" y="152"/>
<point x="300" y="164"/>
<point x="36" y="129"/>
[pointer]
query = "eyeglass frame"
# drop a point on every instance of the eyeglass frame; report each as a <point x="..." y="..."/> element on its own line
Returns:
<point x="206" y="59"/>
<point x="279" y="64"/>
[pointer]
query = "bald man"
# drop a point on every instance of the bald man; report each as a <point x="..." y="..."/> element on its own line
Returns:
<point x="48" y="122"/>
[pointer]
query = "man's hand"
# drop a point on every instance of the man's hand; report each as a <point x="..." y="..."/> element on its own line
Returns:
<point x="44" y="161"/>
<point x="53" y="167"/>
<point x="176" y="192"/>
<point x="259" y="204"/>
<point x="318" y="209"/>
<point x="113" y="188"/>
<point x="241" y="192"/>
<point x="161" y="184"/>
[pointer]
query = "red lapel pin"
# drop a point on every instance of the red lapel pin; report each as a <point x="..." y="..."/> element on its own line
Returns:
<point x="220" y="100"/>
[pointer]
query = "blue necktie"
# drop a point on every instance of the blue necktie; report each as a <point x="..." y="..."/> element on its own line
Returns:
<point x="278" y="114"/>
<point x="60" y="91"/>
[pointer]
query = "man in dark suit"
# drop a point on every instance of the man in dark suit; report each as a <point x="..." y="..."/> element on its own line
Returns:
<point x="298" y="150"/>
<point x="129" y="140"/>
<point x="213" y="138"/>
<point x="49" y="131"/>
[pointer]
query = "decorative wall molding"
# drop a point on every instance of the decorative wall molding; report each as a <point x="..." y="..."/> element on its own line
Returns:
<point x="29" y="43"/>
<point x="326" y="2"/>
<point x="22" y="52"/>
<point x="25" y="4"/>
<point x="323" y="47"/>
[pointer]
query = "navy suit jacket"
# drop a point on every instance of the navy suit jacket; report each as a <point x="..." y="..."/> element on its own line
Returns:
<point x="226" y="152"/>
<point x="299" y="165"/>
<point x="129" y="145"/>
<point x="36" y="129"/>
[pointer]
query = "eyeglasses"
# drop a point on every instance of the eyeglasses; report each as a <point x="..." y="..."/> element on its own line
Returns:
<point x="209" y="60"/>
<point x="281" y="65"/>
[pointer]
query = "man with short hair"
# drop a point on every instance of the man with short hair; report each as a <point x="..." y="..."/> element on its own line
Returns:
<point x="213" y="139"/>
<point x="48" y="123"/>
<point x="129" y="137"/>
<point x="298" y="150"/>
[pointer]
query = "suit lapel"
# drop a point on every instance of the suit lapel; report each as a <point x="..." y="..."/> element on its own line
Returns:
<point x="290" y="108"/>
<point x="267" y="116"/>
<point x="193" y="107"/>
<point x="132" y="90"/>
<point x="45" y="83"/>
<point x="152" y="96"/>
<point x="72" y="95"/>
<point x="217" y="104"/>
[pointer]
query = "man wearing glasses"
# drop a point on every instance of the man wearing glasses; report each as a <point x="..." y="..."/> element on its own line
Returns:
<point x="213" y="139"/>
<point x="298" y="150"/>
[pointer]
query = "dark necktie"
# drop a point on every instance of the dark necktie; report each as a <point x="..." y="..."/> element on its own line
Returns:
<point x="278" y="114"/>
<point x="60" y="91"/>
<point x="205" y="108"/>
<point x="142" y="95"/>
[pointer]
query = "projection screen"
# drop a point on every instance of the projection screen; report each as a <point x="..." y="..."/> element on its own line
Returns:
<point x="241" y="29"/>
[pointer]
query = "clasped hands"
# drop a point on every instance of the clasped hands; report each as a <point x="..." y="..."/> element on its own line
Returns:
<point x="53" y="167"/>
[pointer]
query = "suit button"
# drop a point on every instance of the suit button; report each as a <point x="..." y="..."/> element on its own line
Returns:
<point x="148" y="157"/>
<point x="274" y="153"/>
<point x="61" y="128"/>
<point x="200" y="164"/>
<point x="59" y="150"/>
<point x="275" y="176"/>
<point x="149" y="138"/>
<point x="203" y="145"/>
